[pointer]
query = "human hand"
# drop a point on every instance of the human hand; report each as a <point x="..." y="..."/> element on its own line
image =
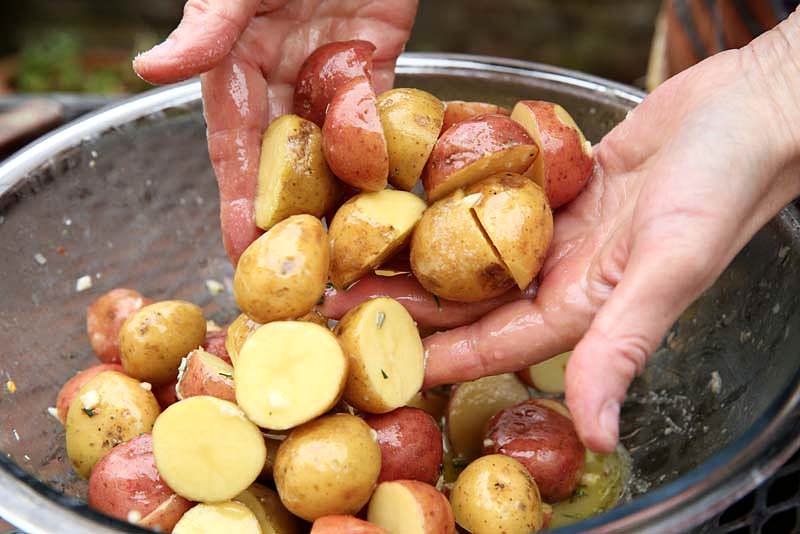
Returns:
<point x="249" y="52"/>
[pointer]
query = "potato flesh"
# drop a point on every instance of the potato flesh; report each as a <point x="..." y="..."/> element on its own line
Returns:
<point x="218" y="518"/>
<point x="527" y="118"/>
<point x="549" y="376"/>
<point x="293" y="177"/>
<point x="288" y="373"/>
<point x="272" y="516"/>
<point x="394" y="508"/>
<point x="206" y="449"/>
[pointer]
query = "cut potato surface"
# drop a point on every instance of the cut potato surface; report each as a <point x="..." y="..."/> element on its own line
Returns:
<point x="410" y="507"/>
<point x="288" y="373"/>
<point x="293" y="177"/>
<point x="202" y="373"/>
<point x="206" y="449"/>
<point x="368" y="229"/>
<point x="272" y="516"/>
<point x="218" y="518"/>
<point x="548" y="376"/>
<point x="385" y="352"/>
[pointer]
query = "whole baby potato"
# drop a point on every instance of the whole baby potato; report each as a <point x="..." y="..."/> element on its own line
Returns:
<point x="155" y="338"/>
<point x="105" y="317"/>
<point x="282" y="274"/>
<point x="74" y="384"/>
<point x="327" y="466"/>
<point x="109" y="409"/>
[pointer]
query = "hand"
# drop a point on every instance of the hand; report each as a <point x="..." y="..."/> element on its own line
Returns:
<point x="249" y="52"/>
<point x="681" y="186"/>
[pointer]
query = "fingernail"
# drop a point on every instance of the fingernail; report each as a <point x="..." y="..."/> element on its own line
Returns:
<point x="609" y="419"/>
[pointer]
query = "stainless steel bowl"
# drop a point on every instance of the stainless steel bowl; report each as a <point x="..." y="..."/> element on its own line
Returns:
<point x="127" y="197"/>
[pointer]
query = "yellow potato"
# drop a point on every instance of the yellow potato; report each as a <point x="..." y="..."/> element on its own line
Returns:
<point x="385" y="351"/>
<point x="288" y="373"/>
<point x="368" y="229"/>
<point x="155" y="339"/>
<point x="109" y="409"/>
<point x="450" y="255"/>
<point x="206" y="449"/>
<point x="412" y="120"/>
<point x="496" y="493"/>
<point x="328" y="466"/>
<point x="410" y="507"/>
<point x="293" y="177"/>
<point x="282" y="274"/>
<point x="218" y="518"/>
<point x="547" y="376"/>
<point x="272" y="516"/>
<point x="516" y="218"/>
<point x="239" y="330"/>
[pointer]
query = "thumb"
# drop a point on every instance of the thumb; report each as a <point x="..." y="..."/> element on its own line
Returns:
<point x="205" y="35"/>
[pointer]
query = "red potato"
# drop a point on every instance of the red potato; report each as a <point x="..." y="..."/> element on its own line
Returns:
<point x="344" y="524"/>
<point x="325" y="71"/>
<point x="544" y="441"/>
<point x="410" y="507"/>
<point x="74" y="384"/>
<point x="104" y="319"/>
<point x="353" y="139"/>
<point x="215" y="344"/>
<point x="475" y="149"/>
<point x="566" y="160"/>
<point x="166" y="394"/>
<point x="202" y="373"/>
<point x="410" y="443"/>
<point x="125" y="484"/>
<point x="459" y="110"/>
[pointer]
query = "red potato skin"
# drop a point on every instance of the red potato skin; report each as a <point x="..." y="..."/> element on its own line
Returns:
<point x="166" y="516"/>
<point x="353" y="139"/>
<point x="215" y="344"/>
<point x="410" y="443"/>
<point x="166" y="394"/>
<point x="459" y="110"/>
<point x="200" y="379"/>
<point x="438" y="514"/>
<point x="126" y="479"/>
<point x="344" y="524"/>
<point x="74" y="384"/>
<point x="542" y="440"/>
<point x="325" y="71"/>
<point x="104" y="319"/>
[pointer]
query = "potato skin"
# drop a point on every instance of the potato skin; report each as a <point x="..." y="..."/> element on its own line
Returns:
<point x="344" y="524"/>
<point x="433" y="507"/>
<point x="237" y="333"/>
<point x="282" y="274"/>
<point x="327" y="466"/>
<point x="105" y="317"/>
<point x="71" y="387"/>
<point x="155" y="339"/>
<point x="542" y="440"/>
<point x="206" y="374"/>
<point x="459" y="110"/>
<point x="166" y="394"/>
<point x="123" y="410"/>
<point x="215" y="344"/>
<point x="411" y="445"/>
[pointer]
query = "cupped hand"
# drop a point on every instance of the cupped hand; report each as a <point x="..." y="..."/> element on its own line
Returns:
<point x="249" y="52"/>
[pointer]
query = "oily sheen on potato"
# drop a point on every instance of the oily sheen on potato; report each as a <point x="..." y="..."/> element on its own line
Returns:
<point x="410" y="507"/>
<point x="289" y="372"/>
<point x="459" y="110"/>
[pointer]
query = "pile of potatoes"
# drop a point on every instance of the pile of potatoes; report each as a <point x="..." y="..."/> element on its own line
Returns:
<point x="277" y="420"/>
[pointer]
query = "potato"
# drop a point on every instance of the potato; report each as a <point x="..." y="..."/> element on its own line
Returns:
<point x="325" y="71"/>
<point x="433" y="401"/>
<point x="353" y="138"/>
<point x="218" y="518"/>
<point x="328" y="466"/>
<point x="104" y="318"/>
<point x="282" y="274"/>
<point x="202" y="373"/>
<point x="273" y="441"/>
<point x="515" y="217"/>
<point x="385" y="352"/>
<point x="451" y="257"/>
<point x="288" y="373"/>
<point x="74" y="384"/>
<point x="411" y="445"/>
<point x="344" y="524"/>
<point x="458" y="110"/>
<point x="108" y="410"/>
<point x="272" y="516"/>
<point x="155" y="339"/>
<point x="239" y="330"/>
<point x="293" y="177"/>
<point x="368" y="229"/>
<point x="474" y="149"/>
<point x="471" y="406"/>
<point x="496" y="494"/>
<point x="192" y="444"/>
<point x="547" y="376"/>
<point x="544" y="441"/>
<point x="410" y="507"/>
<point x="166" y="394"/>
<point x="125" y="484"/>
<point x="215" y="343"/>
<point x="412" y="120"/>
<point x="566" y="161"/>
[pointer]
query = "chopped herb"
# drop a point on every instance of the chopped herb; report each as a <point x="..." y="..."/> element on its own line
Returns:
<point x="580" y="492"/>
<point x="383" y="373"/>
<point x="438" y="302"/>
<point x="226" y="375"/>
<point x="379" y="320"/>
<point x="88" y="411"/>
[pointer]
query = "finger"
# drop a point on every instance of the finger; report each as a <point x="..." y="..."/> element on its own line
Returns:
<point x="205" y="35"/>
<point x="235" y="104"/>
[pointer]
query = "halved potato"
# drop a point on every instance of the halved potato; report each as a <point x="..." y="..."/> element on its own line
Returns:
<point x="368" y="229"/>
<point x="385" y="351"/>
<point x="410" y="507"/>
<point x="288" y="373"/>
<point x="412" y="120"/>
<point x="459" y="110"/>
<point x="548" y="376"/>
<point x="293" y="177"/>
<point x="218" y="517"/>
<point x="272" y="515"/>
<point x="206" y="449"/>
<point x="202" y="373"/>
